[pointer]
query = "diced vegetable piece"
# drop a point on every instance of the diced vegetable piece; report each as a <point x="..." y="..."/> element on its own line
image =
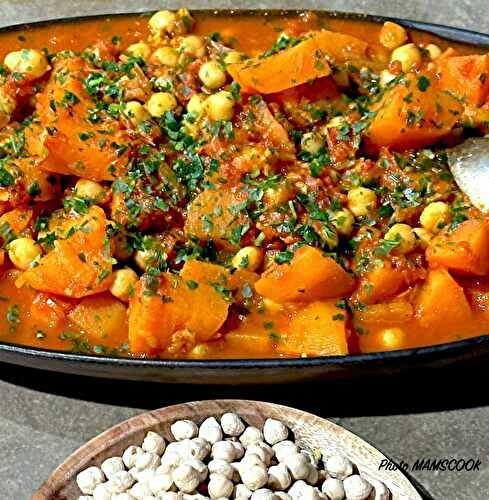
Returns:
<point x="415" y="112"/>
<point x="399" y="311"/>
<point x="309" y="276"/>
<point x="217" y="214"/>
<point x="103" y="319"/>
<point x="12" y="223"/>
<point x="285" y="69"/>
<point x="178" y="304"/>
<point x="76" y="147"/>
<point x="441" y="303"/>
<point x="253" y="344"/>
<point x="318" y="330"/>
<point x="204" y="272"/>
<point x="380" y="284"/>
<point x="467" y="77"/>
<point x="80" y="264"/>
<point x="465" y="251"/>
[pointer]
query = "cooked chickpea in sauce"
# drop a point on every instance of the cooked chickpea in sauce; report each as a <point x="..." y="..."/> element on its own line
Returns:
<point x="214" y="186"/>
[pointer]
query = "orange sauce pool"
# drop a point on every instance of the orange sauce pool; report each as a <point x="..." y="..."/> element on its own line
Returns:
<point x="248" y="33"/>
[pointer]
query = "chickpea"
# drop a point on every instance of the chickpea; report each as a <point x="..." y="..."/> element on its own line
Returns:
<point x="167" y="56"/>
<point x="343" y="221"/>
<point x="433" y="51"/>
<point x="361" y="201"/>
<point x="136" y="112"/>
<point x="163" y="20"/>
<point x="195" y="105"/>
<point x="140" y="49"/>
<point x="234" y="57"/>
<point x="407" y="55"/>
<point x="404" y="234"/>
<point x="23" y="252"/>
<point x="212" y="75"/>
<point x="161" y="102"/>
<point x="312" y="143"/>
<point x="248" y="258"/>
<point x="144" y="259"/>
<point x="329" y="235"/>
<point x="30" y="63"/>
<point x="123" y="284"/>
<point x="220" y="106"/>
<point x="386" y="77"/>
<point x="91" y="190"/>
<point x="423" y="235"/>
<point x="193" y="45"/>
<point x="392" y="35"/>
<point x="392" y="338"/>
<point x="435" y="216"/>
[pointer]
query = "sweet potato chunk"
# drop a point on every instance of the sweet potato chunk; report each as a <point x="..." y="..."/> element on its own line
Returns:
<point x="307" y="60"/>
<point x="465" y="251"/>
<point x="467" y="77"/>
<point x="216" y="214"/>
<point x="63" y="108"/>
<point x="441" y="304"/>
<point x="15" y="221"/>
<point x="179" y="303"/>
<point x="317" y="330"/>
<point x="416" y="112"/>
<point x="380" y="284"/>
<point x="80" y="263"/>
<point x="102" y="318"/>
<point x="309" y="276"/>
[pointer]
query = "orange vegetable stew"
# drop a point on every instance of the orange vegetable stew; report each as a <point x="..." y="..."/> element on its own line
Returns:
<point x="214" y="186"/>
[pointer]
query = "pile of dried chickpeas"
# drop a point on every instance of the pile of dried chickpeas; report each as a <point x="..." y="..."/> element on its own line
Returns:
<point x="226" y="459"/>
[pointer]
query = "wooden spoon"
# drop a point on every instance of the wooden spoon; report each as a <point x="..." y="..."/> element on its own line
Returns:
<point x="310" y="431"/>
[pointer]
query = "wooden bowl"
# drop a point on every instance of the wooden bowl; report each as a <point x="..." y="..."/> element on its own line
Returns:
<point x="310" y="431"/>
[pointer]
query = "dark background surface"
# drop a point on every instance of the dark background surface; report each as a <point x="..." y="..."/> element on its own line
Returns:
<point x="44" y="417"/>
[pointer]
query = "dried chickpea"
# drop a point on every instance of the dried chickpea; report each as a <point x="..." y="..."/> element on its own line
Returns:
<point x="343" y="221"/>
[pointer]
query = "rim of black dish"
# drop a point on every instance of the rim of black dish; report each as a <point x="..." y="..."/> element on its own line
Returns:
<point x="455" y="34"/>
